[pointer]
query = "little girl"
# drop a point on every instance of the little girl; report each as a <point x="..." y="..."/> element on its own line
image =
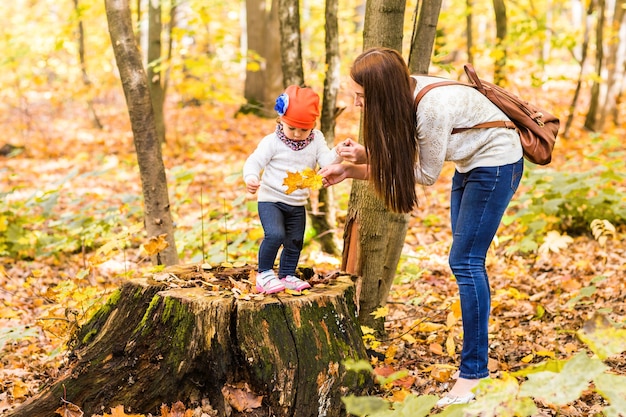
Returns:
<point x="292" y="147"/>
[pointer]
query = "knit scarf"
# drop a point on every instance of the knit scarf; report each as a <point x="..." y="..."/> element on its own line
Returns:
<point x="295" y="145"/>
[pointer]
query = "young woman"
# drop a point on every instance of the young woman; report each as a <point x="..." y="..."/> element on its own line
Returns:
<point x="404" y="146"/>
<point x="293" y="146"/>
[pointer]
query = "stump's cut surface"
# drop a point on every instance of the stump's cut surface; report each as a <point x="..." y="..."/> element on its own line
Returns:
<point x="152" y="345"/>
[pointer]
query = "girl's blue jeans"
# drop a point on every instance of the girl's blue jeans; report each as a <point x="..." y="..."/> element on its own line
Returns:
<point x="478" y="201"/>
<point x="283" y="225"/>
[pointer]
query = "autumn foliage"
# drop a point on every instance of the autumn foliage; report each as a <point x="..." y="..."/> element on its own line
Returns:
<point x="71" y="230"/>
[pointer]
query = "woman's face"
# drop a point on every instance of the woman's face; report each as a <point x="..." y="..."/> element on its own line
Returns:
<point x="359" y="94"/>
<point x="295" y="133"/>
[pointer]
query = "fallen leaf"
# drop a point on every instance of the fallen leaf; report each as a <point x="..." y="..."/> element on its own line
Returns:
<point x="241" y="398"/>
<point x="69" y="410"/>
<point x="156" y="244"/>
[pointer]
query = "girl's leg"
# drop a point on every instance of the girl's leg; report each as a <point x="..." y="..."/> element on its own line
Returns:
<point x="295" y="222"/>
<point x="272" y="220"/>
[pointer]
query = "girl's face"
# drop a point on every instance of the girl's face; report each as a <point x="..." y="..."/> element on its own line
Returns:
<point x="359" y="93"/>
<point x="295" y="133"/>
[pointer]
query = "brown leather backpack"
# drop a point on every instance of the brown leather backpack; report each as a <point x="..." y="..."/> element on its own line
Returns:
<point x="537" y="127"/>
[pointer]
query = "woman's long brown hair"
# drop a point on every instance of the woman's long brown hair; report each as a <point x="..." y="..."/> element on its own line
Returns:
<point x="388" y="126"/>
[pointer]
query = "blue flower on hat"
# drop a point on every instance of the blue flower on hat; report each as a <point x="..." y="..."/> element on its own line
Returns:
<point x="282" y="103"/>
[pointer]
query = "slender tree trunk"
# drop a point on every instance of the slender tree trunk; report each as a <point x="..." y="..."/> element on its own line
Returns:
<point x="264" y="78"/>
<point x="584" y="48"/>
<point x="468" y="30"/>
<point x="614" y="64"/>
<point x="424" y="36"/>
<point x="499" y="77"/>
<point x="155" y="64"/>
<point x="290" y="42"/>
<point x="83" y="64"/>
<point x="592" y="113"/>
<point x="323" y="220"/>
<point x="157" y="218"/>
<point x="374" y="237"/>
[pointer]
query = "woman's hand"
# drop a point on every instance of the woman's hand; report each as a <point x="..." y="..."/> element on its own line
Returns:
<point x="352" y="151"/>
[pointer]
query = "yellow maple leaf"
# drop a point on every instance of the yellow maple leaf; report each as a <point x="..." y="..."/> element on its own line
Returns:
<point x="380" y="312"/>
<point x="310" y="179"/>
<point x="307" y="178"/>
<point x="292" y="181"/>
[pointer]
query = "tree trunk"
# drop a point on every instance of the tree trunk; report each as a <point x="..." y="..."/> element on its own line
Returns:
<point x="614" y="65"/>
<point x="424" y="36"/>
<point x="152" y="344"/>
<point x="323" y="219"/>
<point x="155" y="65"/>
<point x="290" y="42"/>
<point x="374" y="237"/>
<point x="83" y="64"/>
<point x="469" y="33"/>
<point x="582" y="60"/>
<point x="594" y="102"/>
<point x="157" y="218"/>
<point x="499" y="8"/>
<point x="264" y="79"/>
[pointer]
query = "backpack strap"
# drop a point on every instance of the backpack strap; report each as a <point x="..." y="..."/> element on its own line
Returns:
<point x="429" y="87"/>
<point x="486" y="125"/>
<point x="471" y="73"/>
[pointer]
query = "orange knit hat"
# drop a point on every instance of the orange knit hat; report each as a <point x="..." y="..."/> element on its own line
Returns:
<point x="298" y="107"/>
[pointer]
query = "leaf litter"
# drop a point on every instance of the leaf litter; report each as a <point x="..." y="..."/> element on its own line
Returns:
<point x="539" y="303"/>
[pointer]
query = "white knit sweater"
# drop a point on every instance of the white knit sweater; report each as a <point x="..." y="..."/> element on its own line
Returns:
<point x="275" y="159"/>
<point x="447" y="107"/>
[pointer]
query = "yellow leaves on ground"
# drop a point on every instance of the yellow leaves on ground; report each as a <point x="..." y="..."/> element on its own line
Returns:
<point x="307" y="178"/>
<point x="554" y="242"/>
<point x="177" y="410"/>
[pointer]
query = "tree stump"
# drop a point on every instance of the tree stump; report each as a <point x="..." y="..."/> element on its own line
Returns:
<point x="248" y="355"/>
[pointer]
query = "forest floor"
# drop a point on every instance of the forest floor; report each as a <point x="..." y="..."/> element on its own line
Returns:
<point x="539" y="301"/>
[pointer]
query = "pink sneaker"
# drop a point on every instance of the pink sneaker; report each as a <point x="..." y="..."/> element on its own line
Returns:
<point x="294" y="283"/>
<point x="268" y="283"/>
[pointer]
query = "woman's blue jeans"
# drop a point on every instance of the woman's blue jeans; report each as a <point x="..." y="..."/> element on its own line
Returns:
<point x="478" y="202"/>
<point x="283" y="225"/>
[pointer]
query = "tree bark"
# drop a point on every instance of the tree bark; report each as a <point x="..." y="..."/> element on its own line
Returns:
<point x="157" y="218"/>
<point x="290" y="42"/>
<point x="374" y="237"/>
<point x="469" y="33"/>
<point x="155" y="65"/>
<point x="499" y="8"/>
<point x="384" y="22"/>
<point x="614" y="65"/>
<point x="591" y="119"/>
<point x="424" y="36"/>
<point x="83" y="64"/>
<point x="264" y="79"/>
<point x="152" y="344"/>
<point x="582" y="60"/>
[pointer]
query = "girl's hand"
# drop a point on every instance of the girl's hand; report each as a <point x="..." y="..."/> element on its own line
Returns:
<point x="333" y="174"/>
<point x="352" y="151"/>
<point x="252" y="185"/>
